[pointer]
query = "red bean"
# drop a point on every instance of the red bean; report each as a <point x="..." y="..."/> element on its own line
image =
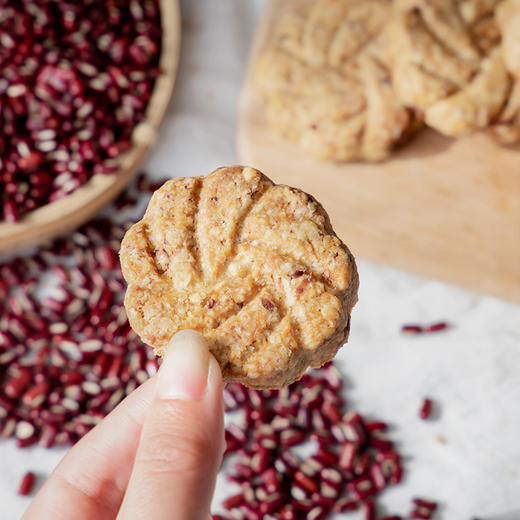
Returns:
<point x="419" y="329"/>
<point x="346" y="504"/>
<point x="426" y="409"/>
<point x="411" y="329"/>
<point x="347" y="457"/>
<point x="377" y="476"/>
<point x="27" y="484"/>
<point x="234" y="501"/>
<point x="369" y="510"/>
<point x="331" y="412"/>
<point x="307" y="483"/>
<point x="436" y="327"/>
<point x="375" y="426"/>
<point x="16" y="385"/>
<point x="35" y="395"/>
<point x="425" y="503"/>
<point x="422" y="513"/>
<point x="361" y="488"/>
<point x="48" y="435"/>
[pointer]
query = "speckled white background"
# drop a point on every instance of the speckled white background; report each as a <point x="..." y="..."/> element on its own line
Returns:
<point x="473" y="370"/>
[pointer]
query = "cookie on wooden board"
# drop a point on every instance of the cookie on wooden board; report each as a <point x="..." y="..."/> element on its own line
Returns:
<point x="324" y="78"/>
<point x="508" y="19"/>
<point x="253" y="266"/>
<point x="447" y="62"/>
<point x="506" y="127"/>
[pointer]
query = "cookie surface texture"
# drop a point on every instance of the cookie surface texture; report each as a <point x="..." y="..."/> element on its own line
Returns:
<point x="508" y="19"/>
<point x="325" y="81"/>
<point x="253" y="266"/>
<point x="506" y="127"/>
<point x="447" y="62"/>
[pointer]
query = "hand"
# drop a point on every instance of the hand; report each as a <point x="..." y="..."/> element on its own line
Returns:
<point x="156" y="456"/>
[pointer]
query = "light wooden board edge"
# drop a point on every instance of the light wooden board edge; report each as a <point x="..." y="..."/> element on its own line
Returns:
<point x="254" y="150"/>
<point x="61" y="216"/>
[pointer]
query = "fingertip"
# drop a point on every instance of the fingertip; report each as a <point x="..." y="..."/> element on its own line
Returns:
<point x="184" y="371"/>
<point x="187" y="336"/>
<point x="214" y="373"/>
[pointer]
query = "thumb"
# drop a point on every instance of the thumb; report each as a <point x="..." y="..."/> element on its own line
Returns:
<point x="182" y="440"/>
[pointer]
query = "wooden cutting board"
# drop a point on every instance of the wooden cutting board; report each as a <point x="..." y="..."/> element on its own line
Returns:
<point x="443" y="208"/>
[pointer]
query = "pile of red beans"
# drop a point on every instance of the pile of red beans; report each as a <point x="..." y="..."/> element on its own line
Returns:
<point x="76" y="80"/>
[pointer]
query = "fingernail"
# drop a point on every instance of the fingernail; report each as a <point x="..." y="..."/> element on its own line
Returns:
<point x="184" y="370"/>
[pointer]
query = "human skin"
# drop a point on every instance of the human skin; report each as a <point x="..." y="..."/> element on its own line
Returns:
<point x="156" y="456"/>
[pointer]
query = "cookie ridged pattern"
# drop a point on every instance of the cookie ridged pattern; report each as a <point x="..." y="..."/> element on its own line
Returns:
<point x="325" y="79"/>
<point x="448" y="63"/>
<point x="255" y="267"/>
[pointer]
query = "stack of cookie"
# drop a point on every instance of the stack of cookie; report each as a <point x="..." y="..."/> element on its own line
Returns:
<point x="354" y="79"/>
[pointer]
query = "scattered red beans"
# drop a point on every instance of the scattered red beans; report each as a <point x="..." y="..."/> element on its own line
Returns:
<point x="426" y="409"/>
<point x="27" y="484"/>
<point x="419" y="329"/>
<point x="67" y="355"/>
<point x="76" y="80"/>
<point x="351" y="464"/>
<point x="352" y="460"/>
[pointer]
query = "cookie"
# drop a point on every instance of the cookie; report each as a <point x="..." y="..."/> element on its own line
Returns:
<point x="326" y="85"/>
<point x="447" y="62"/>
<point x="508" y="19"/>
<point x="506" y="128"/>
<point x="253" y="266"/>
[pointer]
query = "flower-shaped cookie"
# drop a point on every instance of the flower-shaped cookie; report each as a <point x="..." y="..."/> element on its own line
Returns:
<point x="326" y="83"/>
<point x="447" y="62"/>
<point x="506" y="128"/>
<point x="255" y="267"/>
<point x="508" y="19"/>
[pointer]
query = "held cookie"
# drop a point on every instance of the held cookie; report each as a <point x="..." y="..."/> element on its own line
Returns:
<point x="253" y="266"/>
<point x="447" y="62"/>
<point x="326" y="85"/>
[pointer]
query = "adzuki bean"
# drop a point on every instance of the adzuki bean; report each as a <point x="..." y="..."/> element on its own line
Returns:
<point x="27" y="484"/>
<point x="425" y="329"/>
<point x="426" y="409"/>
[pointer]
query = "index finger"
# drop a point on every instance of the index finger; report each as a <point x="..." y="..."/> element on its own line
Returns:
<point x="89" y="483"/>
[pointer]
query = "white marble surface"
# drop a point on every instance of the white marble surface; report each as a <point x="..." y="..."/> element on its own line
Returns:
<point x="473" y="370"/>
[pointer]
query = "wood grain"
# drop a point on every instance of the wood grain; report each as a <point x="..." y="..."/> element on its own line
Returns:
<point x="70" y="212"/>
<point x="447" y="209"/>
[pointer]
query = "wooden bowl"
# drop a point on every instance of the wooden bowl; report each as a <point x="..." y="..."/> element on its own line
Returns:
<point x="81" y="205"/>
